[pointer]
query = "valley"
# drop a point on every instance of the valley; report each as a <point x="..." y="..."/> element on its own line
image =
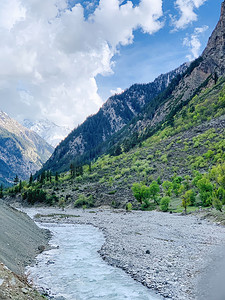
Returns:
<point x="140" y="184"/>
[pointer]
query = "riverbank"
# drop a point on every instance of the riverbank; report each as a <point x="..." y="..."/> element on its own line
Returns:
<point x="20" y="241"/>
<point x="165" y="252"/>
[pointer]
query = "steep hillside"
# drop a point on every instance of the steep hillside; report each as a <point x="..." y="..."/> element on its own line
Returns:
<point x="203" y="72"/>
<point x="191" y="146"/>
<point x="128" y="119"/>
<point x="91" y="138"/>
<point x="21" y="151"/>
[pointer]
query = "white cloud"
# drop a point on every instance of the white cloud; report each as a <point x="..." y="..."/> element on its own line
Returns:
<point x="187" y="13"/>
<point x="50" y="54"/>
<point x="193" y="42"/>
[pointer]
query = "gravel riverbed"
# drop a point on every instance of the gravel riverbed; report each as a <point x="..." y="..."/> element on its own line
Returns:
<point x="167" y="253"/>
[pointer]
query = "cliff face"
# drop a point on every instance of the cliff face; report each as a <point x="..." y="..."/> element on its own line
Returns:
<point x="213" y="55"/>
<point x="21" y="151"/>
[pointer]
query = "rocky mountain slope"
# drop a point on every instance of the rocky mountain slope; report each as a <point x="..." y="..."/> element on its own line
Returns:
<point x="202" y="73"/>
<point x="91" y="138"/>
<point x="22" y="151"/>
<point x="49" y="131"/>
<point x="129" y="118"/>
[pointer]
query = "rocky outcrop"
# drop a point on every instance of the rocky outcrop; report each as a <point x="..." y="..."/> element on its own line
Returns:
<point x="213" y="55"/>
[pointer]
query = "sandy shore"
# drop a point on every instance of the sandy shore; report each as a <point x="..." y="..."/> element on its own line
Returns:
<point x="168" y="253"/>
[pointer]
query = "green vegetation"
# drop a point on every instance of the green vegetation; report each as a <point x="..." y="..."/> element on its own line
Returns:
<point x="164" y="203"/>
<point x="180" y="168"/>
<point x="84" y="201"/>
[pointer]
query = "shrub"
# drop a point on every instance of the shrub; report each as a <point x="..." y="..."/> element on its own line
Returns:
<point x="61" y="202"/>
<point x="164" y="203"/>
<point x="129" y="206"/>
<point x="217" y="204"/>
<point x="83" y="200"/>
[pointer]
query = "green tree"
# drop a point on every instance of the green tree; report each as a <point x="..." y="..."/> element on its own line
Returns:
<point x="43" y="176"/>
<point x="154" y="191"/>
<point x="167" y="187"/>
<point x="176" y="184"/>
<point x="186" y="201"/>
<point x="20" y="186"/>
<point x="159" y="181"/>
<point x="205" y="188"/>
<point x="187" y="182"/>
<point x="164" y="203"/>
<point x="56" y="176"/>
<point x="141" y="192"/>
<point x="217" y="203"/>
<point x="190" y="194"/>
<point x="72" y="170"/>
<point x="31" y="179"/>
<point x="220" y="193"/>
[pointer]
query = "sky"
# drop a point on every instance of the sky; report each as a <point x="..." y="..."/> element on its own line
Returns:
<point x="61" y="59"/>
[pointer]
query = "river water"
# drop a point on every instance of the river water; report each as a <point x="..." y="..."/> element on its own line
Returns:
<point x="75" y="271"/>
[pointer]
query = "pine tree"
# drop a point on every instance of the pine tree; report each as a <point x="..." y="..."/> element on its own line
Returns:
<point x="20" y="186"/>
<point x="72" y="170"/>
<point x="56" y="177"/>
<point x="31" y="179"/>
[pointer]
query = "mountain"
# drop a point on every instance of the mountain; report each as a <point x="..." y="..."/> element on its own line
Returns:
<point x="171" y="156"/>
<point x="134" y="115"/>
<point x="22" y="151"/>
<point x="91" y="138"/>
<point x="53" y="134"/>
<point x="202" y="73"/>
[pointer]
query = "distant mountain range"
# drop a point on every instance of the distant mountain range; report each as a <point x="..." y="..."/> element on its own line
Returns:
<point x="22" y="151"/>
<point x="49" y="131"/>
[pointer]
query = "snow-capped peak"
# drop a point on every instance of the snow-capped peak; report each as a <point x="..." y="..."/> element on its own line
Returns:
<point x="49" y="131"/>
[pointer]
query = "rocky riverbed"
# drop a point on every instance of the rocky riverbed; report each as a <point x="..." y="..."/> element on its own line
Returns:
<point x="168" y="253"/>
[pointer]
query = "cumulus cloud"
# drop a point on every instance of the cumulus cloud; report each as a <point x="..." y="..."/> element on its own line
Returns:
<point x="193" y="42"/>
<point x="51" y="53"/>
<point x="187" y="12"/>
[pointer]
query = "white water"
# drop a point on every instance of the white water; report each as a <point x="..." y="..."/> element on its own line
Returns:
<point x="77" y="272"/>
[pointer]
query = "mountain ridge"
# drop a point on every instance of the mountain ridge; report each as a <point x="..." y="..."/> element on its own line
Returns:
<point x="22" y="151"/>
<point x="116" y="113"/>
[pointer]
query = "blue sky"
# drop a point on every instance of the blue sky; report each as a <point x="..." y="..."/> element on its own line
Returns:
<point x="152" y="55"/>
<point x="61" y="60"/>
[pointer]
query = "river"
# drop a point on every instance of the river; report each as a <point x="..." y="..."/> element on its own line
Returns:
<point x="75" y="270"/>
